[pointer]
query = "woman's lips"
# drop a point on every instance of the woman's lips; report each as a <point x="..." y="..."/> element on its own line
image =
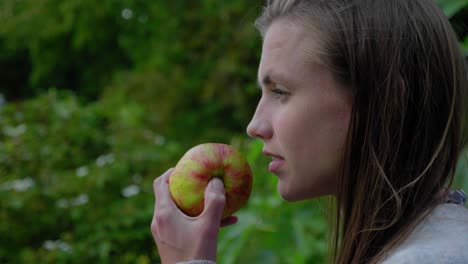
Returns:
<point x="276" y="163"/>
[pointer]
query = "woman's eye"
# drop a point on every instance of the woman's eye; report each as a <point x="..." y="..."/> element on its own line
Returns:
<point x="278" y="93"/>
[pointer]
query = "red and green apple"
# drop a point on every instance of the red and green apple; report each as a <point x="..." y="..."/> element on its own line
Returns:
<point x="199" y="165"/>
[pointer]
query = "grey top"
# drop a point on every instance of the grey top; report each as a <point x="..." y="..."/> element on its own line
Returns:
<point x="442" y="237"/>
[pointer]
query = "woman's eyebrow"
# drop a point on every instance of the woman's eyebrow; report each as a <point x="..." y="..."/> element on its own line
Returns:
<point x="265" y="81"/>
<point x="279" y="79"/>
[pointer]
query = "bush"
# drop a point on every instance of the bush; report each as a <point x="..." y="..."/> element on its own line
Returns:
<point x="76" y="182"/>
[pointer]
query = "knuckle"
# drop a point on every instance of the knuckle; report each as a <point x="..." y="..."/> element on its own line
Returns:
<point x="155" y="182"/>
<point x="162" y="217"/>
<point x="154" y="227"/>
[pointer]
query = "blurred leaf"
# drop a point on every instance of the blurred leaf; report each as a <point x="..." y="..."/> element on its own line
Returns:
<point x="451" y="7"/>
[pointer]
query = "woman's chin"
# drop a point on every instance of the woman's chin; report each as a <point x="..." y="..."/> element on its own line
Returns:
<point x="290" y="194"/>
<point x="287" y="194"/>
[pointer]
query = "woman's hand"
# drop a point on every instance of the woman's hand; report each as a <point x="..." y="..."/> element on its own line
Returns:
<point x="183" y="238"/>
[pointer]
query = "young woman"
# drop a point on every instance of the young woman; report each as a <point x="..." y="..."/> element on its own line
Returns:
<point x="363" y="100"/>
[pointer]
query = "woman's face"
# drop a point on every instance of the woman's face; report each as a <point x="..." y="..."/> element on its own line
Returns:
<point x="302" y="117"/>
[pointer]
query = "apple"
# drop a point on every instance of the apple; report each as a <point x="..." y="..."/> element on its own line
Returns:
<point x="200" y="164"/>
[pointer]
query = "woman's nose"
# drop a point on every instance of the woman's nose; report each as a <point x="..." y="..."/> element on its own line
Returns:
<point x="259" y="128"/>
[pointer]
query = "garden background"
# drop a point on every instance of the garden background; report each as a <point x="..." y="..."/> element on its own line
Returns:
<point x="98" y="98"/>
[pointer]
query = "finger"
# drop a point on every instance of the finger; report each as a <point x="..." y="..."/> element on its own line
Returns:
<point x="230" y="220"/>
<point x="156" y="186"/>
<point x="160" y="185"/>
<point x="163" y="203"/>
<point x="215" y="200"/>
<point x="164" y="178"/>
<point x="162" y="195"/>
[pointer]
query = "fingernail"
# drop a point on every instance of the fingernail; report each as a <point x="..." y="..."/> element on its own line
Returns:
<point x="217" y="185"/>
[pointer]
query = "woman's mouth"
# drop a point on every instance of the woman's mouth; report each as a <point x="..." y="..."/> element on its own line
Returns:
<point x="276" y="163"/>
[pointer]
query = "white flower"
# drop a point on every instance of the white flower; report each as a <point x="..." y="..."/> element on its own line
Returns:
<point x="82" y="171"/>
<point x="57" y="244"/>
<point x="14" y="131"/>
<point x="80" y="200"/>
<point x="104" y="159"/>
<point x="127" y="13"/>
<point x="20" y="185"/>
<point x="130" y="190"/>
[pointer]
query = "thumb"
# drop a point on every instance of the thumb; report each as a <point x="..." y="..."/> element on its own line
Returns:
<point x="215" y="200"/>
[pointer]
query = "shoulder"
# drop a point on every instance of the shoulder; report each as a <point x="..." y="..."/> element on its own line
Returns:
<point x="439" y="238"/>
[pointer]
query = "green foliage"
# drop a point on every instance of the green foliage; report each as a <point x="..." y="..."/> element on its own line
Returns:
<point x="71" y="177"/>
<point x="197" y="59"/>
<point x="452" y="7"/>
<point x="136" y="84"/>
<point x="60" y="39"/>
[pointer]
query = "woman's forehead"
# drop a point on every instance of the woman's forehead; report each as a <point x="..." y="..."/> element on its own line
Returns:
<point x="284" y="36"/>
<point x="282" y="33"/>
<point x="284" y="54"/>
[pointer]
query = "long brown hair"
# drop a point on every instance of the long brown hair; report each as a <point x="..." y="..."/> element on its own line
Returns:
<point x="403" y="63"/>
